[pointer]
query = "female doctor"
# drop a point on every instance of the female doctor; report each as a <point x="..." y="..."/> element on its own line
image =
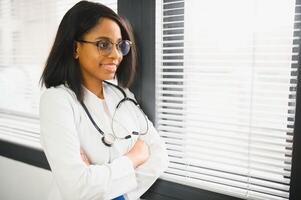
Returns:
<point x="97" y="140"/>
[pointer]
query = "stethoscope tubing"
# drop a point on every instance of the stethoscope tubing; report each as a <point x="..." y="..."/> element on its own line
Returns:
<point x="105" y="140"/>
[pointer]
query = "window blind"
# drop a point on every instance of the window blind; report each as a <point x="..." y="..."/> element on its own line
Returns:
<point x="226" y="74"/>
<point x="27" y="33"/>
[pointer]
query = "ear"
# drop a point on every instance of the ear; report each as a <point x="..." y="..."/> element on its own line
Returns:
<point x="76" y="50"/>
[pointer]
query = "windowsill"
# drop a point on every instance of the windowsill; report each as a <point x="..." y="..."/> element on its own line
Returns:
<point x="20" y="138"/>
<point x="24" y="152"/>
<point x="20" y="129"/>
<point x="27" y="142"/>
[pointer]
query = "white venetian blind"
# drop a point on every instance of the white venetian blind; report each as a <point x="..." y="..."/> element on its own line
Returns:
<point x="27" y="33"/>
<point x="225" y="93"/>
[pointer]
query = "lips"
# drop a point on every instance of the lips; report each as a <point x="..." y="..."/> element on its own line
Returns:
<point x="110" y="67"/>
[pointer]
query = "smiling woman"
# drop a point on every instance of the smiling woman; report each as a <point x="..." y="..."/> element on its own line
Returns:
<point x="93" y="152"/>
<point x="100" y="65"/>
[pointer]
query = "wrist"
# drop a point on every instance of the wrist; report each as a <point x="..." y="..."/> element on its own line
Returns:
<point x="132" y="159"/>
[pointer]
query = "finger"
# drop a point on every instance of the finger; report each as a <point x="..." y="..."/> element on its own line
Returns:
<point x="82" y="151"/>
<point x="85" y="159"/>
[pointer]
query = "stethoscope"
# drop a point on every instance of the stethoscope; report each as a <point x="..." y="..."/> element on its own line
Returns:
<point x="108" y="139"/>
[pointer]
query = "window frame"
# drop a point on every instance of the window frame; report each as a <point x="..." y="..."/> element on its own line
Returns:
<point x="144" y="28"/>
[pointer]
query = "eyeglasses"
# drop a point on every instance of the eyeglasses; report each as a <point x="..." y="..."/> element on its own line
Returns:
<point x="105" y="46"/>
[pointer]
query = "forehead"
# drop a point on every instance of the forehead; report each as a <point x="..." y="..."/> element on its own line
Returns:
<point x="105" y="28"/>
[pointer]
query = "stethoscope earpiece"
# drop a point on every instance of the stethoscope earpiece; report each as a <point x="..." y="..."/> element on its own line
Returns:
<point x="135" y="133"/>
<point x="127" y="137"/>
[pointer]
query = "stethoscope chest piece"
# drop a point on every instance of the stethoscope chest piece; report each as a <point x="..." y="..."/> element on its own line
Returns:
<point x="108" y="139"/>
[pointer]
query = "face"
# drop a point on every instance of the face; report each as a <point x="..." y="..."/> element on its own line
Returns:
<point x="95" y="65"/>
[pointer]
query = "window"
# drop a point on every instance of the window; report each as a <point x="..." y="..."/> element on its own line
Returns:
<point x="27" y="32"/>
<point x="226" y="74"/>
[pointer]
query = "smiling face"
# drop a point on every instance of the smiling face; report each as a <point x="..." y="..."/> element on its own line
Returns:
<point x="95" y="66"/>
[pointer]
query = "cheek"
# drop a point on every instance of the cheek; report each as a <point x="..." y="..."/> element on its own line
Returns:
<point x="120" y="59"/>
<point x="88" y="58"/>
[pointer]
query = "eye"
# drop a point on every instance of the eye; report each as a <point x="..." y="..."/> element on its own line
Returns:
<point x="103" y="44"/>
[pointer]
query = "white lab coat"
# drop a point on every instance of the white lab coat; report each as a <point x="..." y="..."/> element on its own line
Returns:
<point x="65" y="128"/>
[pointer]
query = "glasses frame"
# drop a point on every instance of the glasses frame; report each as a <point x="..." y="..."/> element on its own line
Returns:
<point x="112" y="43"/>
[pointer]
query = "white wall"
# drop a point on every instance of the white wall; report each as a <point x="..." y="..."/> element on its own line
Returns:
<point x="20" y="181"/>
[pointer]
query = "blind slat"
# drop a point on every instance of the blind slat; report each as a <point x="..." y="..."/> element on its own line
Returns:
<point x="225" y="103"/>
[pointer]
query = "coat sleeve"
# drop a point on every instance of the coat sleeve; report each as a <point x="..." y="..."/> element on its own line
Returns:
<point x="149" y="172"/>
<point x="59" y="138"/>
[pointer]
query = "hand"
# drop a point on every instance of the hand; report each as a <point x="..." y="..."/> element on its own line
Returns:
<point x="139" y="153"/>
<point x="85" y="157"/>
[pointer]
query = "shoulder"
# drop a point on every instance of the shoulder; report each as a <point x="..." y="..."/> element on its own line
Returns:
<point x="58" y="102"/>
<point x="59" y="92"/>
<point x="129" y="93"/>
<point x="59" y="96"/>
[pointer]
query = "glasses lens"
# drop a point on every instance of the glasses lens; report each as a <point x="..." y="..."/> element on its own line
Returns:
<point x="104" y="46"/>
<point x="124" y="47"/>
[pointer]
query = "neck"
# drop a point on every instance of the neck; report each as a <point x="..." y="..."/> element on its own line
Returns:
<point x="95" y="88"/>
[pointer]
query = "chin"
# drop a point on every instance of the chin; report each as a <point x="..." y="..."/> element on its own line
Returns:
<point x="109" y="77"/>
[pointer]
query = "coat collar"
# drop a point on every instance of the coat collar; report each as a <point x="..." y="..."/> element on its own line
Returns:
<point x="111" y="98"/>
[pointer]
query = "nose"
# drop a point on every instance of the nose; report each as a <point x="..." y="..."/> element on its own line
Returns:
<point x="115" y="53"/>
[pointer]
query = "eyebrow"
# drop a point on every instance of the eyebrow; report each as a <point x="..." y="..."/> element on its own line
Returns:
<point x="107" y="38"/>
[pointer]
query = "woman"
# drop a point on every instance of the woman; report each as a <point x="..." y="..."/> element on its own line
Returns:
<point x="89" y="127"/>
